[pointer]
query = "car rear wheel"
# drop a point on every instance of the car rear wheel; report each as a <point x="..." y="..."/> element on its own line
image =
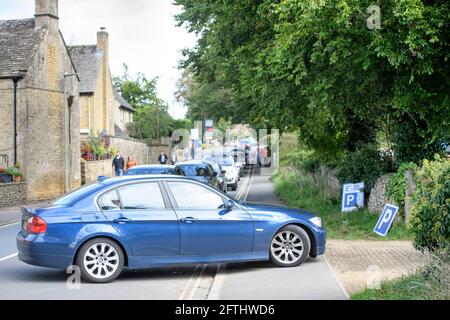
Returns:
<point x="100" y="260"/>
<point x="234" y="187"/>
<point x="290" y="247"/>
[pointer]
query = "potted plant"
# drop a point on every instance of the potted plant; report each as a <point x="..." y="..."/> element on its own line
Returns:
<point x="18" y="175"/>
<point x="2" y="172"/>
<point x="7" y="176"/>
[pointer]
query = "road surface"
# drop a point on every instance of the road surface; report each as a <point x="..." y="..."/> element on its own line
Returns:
<point x="243" y="281"/>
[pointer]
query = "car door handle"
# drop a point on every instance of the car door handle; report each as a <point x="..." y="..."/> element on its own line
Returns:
<point x="122" y="220"/>
<point x="189" y="220"/>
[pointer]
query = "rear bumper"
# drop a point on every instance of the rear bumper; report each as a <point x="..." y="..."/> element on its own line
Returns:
<point x="37" y="250"/>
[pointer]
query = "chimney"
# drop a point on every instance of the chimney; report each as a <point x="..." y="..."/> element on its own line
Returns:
<point x="103" y="44"/>
<point x="46" y="14"/>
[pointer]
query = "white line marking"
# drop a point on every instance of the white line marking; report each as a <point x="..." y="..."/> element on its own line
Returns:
<point x="336" y="278"/>
<point x="183" y="293"/>
<point x="250" y="184"/>
<point x="10" y="224"/>
<point x="197" y="283"/>
<point x="217" y="284"/>
<point x="9" y="257"/>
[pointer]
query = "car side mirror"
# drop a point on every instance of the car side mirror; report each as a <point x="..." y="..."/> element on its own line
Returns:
<point x="229" y="205"/>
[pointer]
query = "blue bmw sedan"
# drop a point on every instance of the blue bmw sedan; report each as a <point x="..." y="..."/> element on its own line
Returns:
<point x="149" y="221"/>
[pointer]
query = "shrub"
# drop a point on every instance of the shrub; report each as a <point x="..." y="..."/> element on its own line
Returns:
<point x="366" y="165"/>
<point x="396" y="187"/>
<point x="430" y="211"/>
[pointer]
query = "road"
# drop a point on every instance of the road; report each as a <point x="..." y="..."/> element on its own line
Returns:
<point x="243" y="281"/>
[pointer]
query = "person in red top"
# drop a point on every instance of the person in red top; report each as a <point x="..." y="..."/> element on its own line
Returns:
<point x="130" y="163"/>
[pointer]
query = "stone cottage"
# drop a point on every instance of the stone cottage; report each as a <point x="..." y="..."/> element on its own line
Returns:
<point x="101" y="107"/>
<point x="39" y="103"/>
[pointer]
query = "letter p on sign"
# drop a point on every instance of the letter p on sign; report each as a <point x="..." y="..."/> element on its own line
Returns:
<point x="386" y="220"/>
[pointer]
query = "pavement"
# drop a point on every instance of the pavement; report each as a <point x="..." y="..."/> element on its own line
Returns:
<point x="362" y="264"/>
<point x="13" y="214"/>
<point x="243" y="281"/>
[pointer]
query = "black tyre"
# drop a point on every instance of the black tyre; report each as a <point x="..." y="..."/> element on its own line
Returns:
<point x="290" y="247"/>
<point x="100" y="260"/>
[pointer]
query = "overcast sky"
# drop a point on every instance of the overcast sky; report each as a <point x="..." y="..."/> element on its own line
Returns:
<point x="142" y="34"/>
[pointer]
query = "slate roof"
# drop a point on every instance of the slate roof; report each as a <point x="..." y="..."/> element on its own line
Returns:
<point x="123" y="103"/>
<point x="18" y="41"/>
<point x="87" y="61"/>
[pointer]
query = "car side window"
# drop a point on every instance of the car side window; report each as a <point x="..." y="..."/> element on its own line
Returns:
<point x="109" y="201"/>
<point x="142" y="196"/>
<point x="192" y="196"/>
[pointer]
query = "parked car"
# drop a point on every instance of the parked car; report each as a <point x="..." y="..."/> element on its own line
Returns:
<point x="200" y="171"/>
<point x="140" y="222"/>
<point x="238" y="155"/>
<point x="155" y="169"/>
<point x="220" y="174"/>
<point x="232" y="171"/>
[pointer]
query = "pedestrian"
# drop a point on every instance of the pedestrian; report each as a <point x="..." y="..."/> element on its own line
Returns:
<point x="163" y="158"/>
<point x="130" y="163"/>
<point x="118" y="165"/>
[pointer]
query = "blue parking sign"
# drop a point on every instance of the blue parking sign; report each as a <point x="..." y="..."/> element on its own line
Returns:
<point x="352" y="197"/>
<point x="386" y="220"/>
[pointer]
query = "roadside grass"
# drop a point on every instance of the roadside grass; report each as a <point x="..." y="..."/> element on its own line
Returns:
<point x="298" y="189"/>
<point x="431" y="282"/>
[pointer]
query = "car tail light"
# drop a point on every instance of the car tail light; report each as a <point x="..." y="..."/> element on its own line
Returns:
<point x="37" y="225"/>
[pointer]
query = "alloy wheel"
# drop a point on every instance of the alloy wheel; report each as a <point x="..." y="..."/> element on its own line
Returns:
<point x="287" y="247"/>
<point x="101" y="260"/>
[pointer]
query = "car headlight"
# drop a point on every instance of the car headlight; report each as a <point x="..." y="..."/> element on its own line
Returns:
<point x="317" y="221"/>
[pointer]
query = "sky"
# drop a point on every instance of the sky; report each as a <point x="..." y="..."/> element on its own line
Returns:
<point x="142" y="34"/>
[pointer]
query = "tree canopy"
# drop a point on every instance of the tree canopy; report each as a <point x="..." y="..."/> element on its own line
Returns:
<point x="314" y="66"/>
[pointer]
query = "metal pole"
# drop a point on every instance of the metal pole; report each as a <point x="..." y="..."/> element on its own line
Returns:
<point x="66" y="142"/>
<point x="15" y="80"/>
<point x="67" y="145"/>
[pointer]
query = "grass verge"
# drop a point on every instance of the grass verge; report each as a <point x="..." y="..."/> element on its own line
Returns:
<point x="298" y="189"/>
<point x="429" y="283"/>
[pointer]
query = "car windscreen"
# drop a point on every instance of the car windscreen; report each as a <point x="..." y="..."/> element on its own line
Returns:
<point x="150" y="171"/>
<point x="194" y="170"/>
<point x="77" y="194"/>
<point x="224" y="162"/>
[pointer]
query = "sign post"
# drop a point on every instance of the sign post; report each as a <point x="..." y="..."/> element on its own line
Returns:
<point x="352" y="197"/>
<point x="386" y="220"/>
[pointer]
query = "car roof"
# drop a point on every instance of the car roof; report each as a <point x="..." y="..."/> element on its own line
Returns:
<point x="158" y="177"/>
<point x="154" y="166"/>
<point x="196" y="162"/>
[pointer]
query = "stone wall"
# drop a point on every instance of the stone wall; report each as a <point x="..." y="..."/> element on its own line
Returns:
<point x="12" y="194"/>
<point x="378" y="198"/>
<point x="139" y="150"/>
<point x="155" y="151"/>
<point x="90" y="171"/>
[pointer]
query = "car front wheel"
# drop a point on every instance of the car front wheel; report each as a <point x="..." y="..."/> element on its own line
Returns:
<point x="100" y="260"/>
<point x="290" y="247"/>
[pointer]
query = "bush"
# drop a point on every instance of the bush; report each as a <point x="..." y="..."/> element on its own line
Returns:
<point x="430" y="211"/>
<point x="396" y="187"/>
<point x="366" y="165"/>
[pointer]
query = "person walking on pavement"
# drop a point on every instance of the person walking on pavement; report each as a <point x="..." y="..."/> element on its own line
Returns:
<point x="130" y="163"/>
<point x="163" y="158"/>
<point x="118" y="165"/>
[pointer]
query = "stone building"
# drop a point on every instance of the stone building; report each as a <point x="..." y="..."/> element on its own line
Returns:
<point x="102" y="108"/>
<point x="36" y="68"/>
<point x="124" y="114"/>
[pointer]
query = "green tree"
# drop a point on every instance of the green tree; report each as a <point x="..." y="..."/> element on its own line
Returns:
<point x="151" y="119"/>
<point x="314" y="66"/>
